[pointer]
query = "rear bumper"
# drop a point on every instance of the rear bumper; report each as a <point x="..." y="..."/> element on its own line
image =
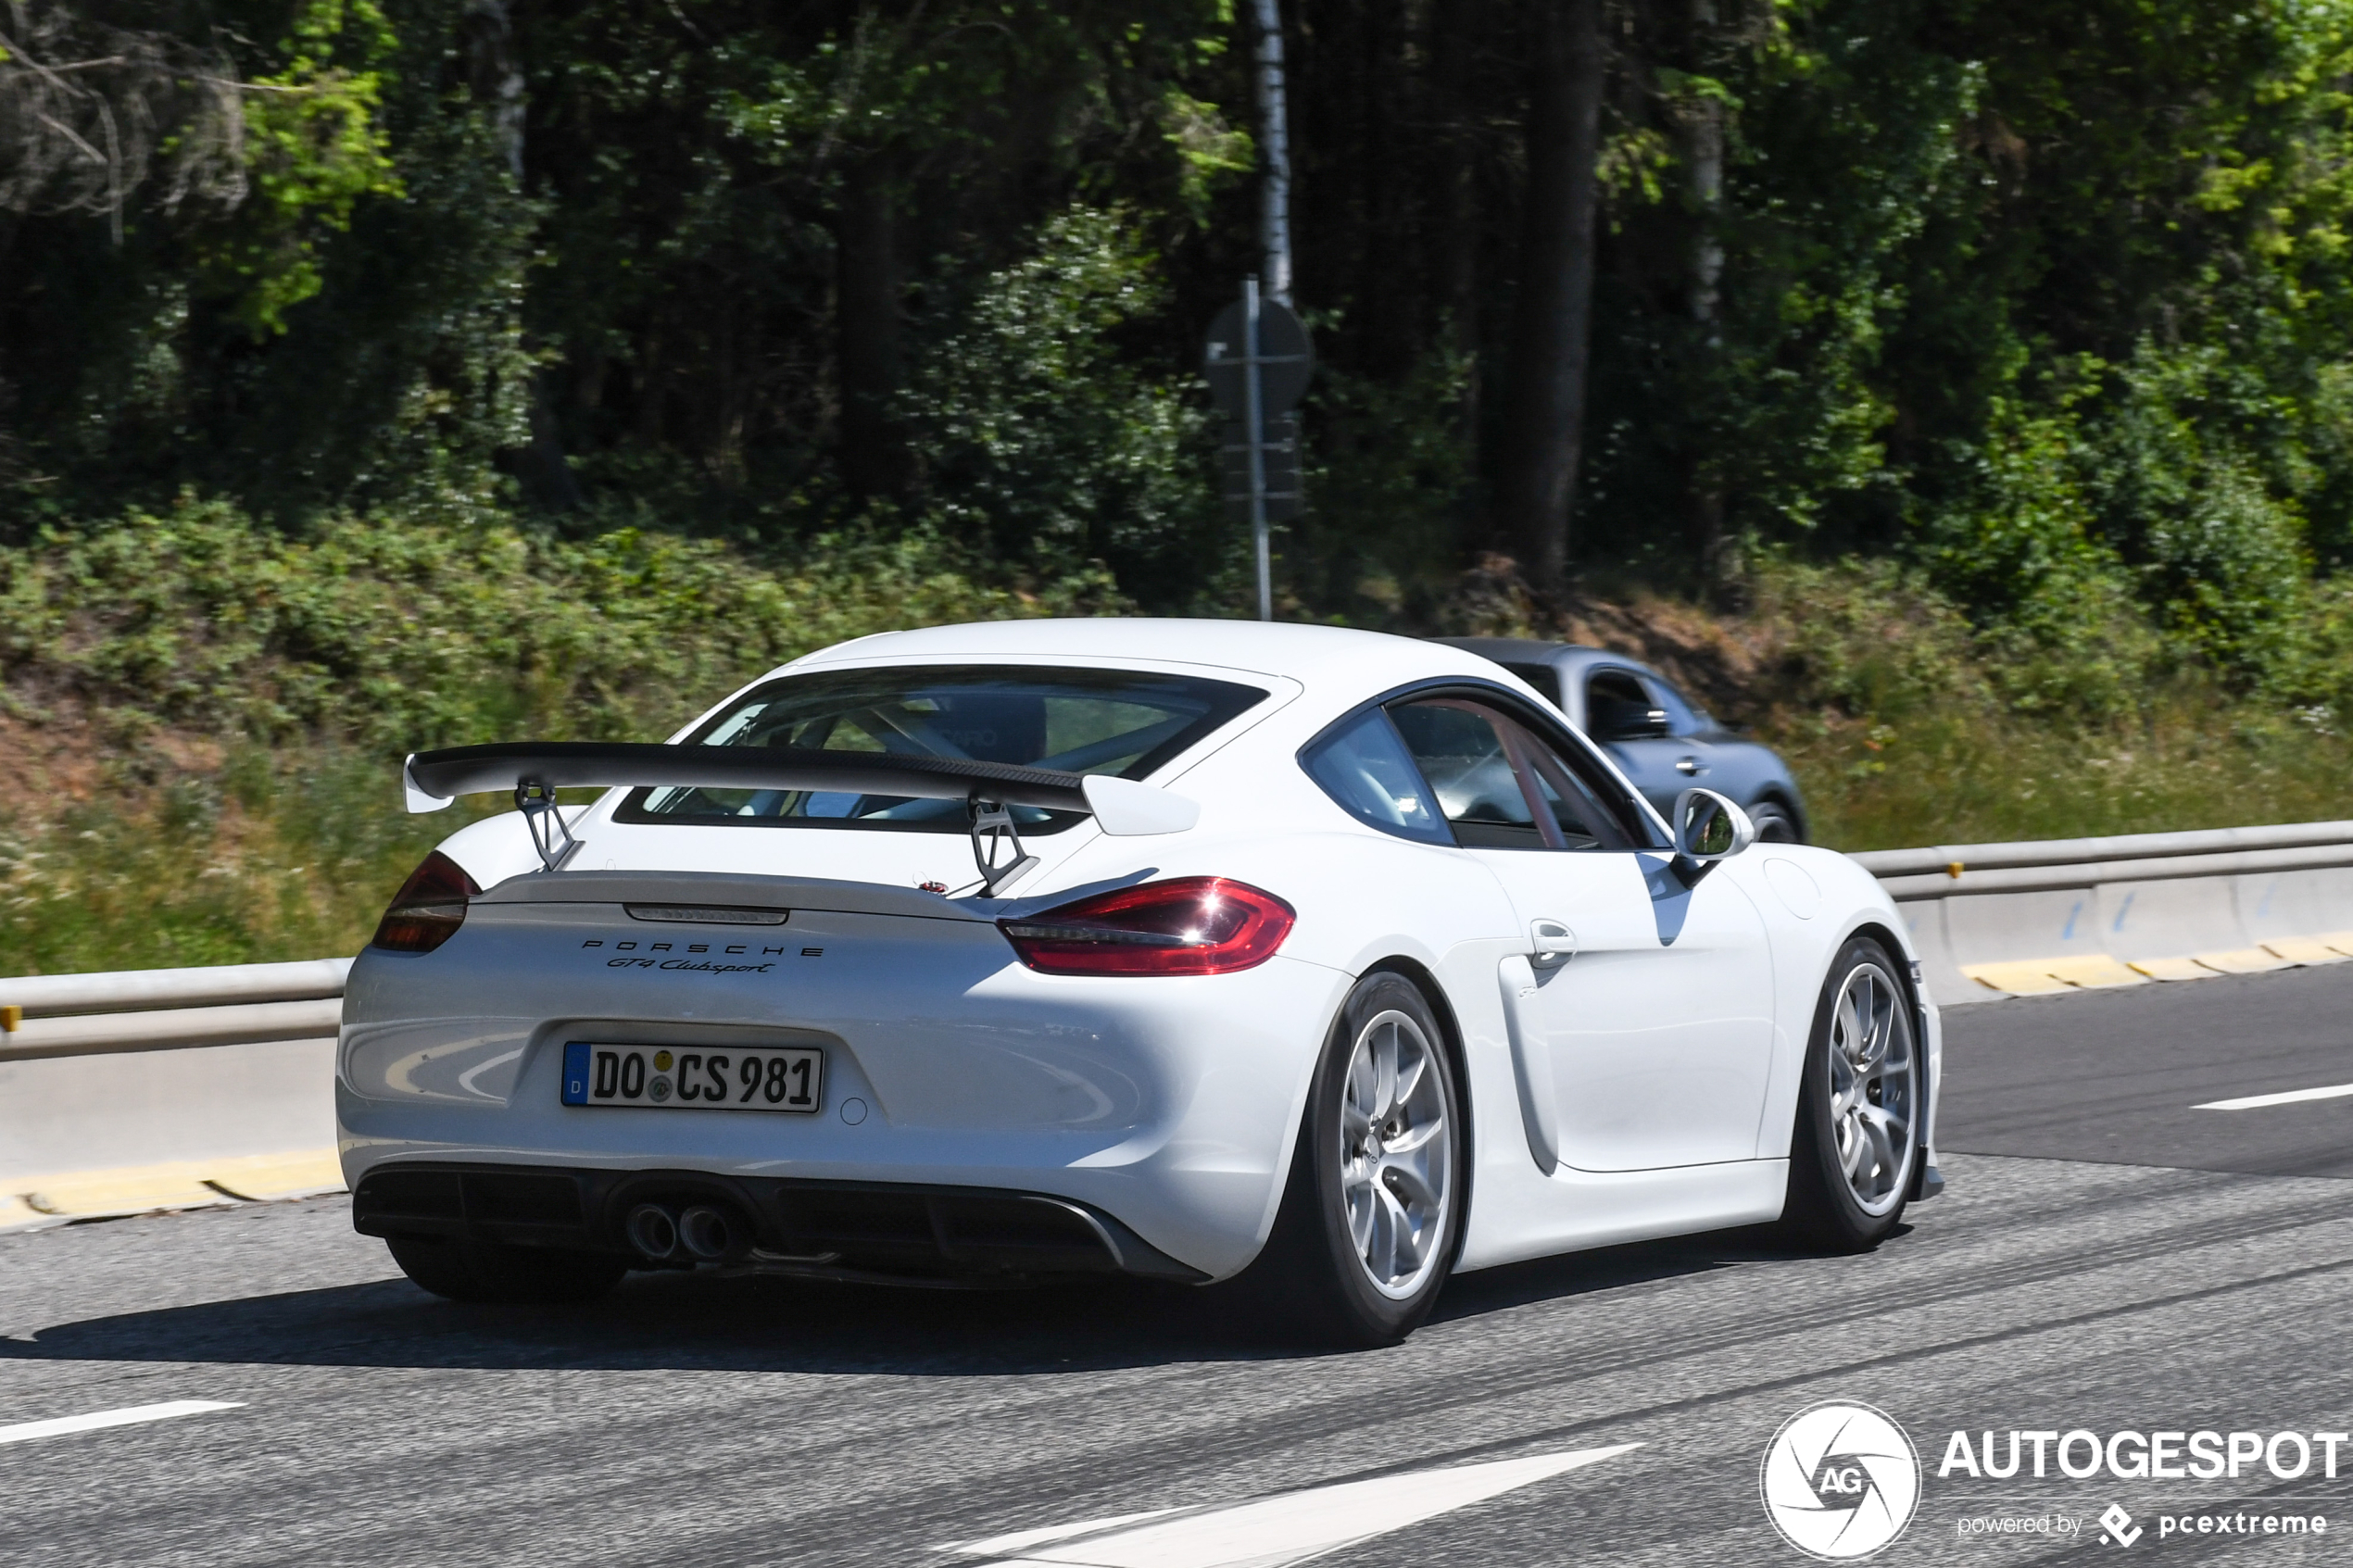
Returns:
<point x="1168" y="1103"/>
<point x="885" y="1232"/>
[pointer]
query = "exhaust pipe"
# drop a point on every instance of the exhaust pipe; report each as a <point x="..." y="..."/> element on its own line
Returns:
<point x="710" y="1234"/>
<point x="652" y="1231"/>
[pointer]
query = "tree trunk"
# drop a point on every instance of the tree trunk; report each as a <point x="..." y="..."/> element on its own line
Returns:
<point x="1451" y="45"/>
<point x="866" y="314"/>
<point x="1703" y="163"/>
<point x="495" y="78"/>
<point x="494" y="74"/>
<point x="1552" y="323"/>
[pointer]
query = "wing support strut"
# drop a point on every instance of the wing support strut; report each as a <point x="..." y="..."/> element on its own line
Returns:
<point x="993" y="826"/>
<point x="546" y="821"/>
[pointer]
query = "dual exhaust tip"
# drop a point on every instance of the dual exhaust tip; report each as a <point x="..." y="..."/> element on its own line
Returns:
<point x="698" y="1233"/>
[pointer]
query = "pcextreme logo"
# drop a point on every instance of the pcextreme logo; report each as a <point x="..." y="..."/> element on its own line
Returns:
<point x="1840" y="1480"/>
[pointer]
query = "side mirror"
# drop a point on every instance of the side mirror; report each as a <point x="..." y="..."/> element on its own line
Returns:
<point x="1710" y="828"/>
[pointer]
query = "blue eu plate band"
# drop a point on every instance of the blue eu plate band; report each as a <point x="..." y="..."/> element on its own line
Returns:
<point x="576" y="1073"/>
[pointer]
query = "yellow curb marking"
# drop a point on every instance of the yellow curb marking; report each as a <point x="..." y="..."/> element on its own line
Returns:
<point x="2244" y="961"/>
<point x="2174" y="969"/>
<point x="2038" y="976"/>
<point x="187" y="1184"/>
<point x="2335" y="947"/>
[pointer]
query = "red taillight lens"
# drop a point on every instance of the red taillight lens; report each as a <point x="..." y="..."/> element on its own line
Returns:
<point x="1187" y="925"/>
<point x="429" y="908"/>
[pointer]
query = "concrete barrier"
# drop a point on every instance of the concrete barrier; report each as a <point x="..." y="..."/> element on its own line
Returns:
<point x="2008" y="919"/>
<point x="165" y="1088"/>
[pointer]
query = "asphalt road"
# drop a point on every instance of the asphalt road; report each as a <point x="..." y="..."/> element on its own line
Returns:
<point x="2115" y="1075"/>
<point x="2107" y="1259"/>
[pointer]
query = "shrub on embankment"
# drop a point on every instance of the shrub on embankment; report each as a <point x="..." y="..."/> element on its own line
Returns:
<point x="201" y="714"/>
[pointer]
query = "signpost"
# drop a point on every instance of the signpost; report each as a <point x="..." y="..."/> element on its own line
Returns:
<point x="1257" y="363"/>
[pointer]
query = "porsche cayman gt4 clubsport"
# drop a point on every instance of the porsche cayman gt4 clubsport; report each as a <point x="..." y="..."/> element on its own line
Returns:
<point x="1187" y="950"/>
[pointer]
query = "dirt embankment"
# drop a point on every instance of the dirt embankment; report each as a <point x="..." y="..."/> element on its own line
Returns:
<point x="62" y="753"/>
<point x="1732" y="663"/>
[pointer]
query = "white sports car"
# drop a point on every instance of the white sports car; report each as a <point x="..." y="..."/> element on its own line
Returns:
<point x="1184" y="949"/>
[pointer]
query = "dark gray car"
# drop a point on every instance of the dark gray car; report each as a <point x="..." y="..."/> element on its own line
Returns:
<point x="1664" y="742"/>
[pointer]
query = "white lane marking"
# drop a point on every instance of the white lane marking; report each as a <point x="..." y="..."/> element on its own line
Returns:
<point x="1021" y="1540"/>
<point x="1270" y="1532"/>
<point x="2256" y="1102"/>
<point x="131" y="1417"/>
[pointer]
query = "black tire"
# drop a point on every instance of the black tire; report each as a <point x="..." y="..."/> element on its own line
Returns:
<point x="1826" y="1209"/>
<point x="487" y="1271"/>
<point x="1776" y="823"/>
<point x="1312" y="1281"/>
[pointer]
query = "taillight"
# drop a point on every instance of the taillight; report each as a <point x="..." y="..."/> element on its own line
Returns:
<point x="429" y="908"/>
<point x="1187" y="925"/>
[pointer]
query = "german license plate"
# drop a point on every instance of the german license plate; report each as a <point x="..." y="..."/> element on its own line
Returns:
<point x="789" y="1078"/>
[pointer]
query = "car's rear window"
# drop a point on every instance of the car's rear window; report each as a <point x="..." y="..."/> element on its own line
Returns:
<point x="1543" y="677"/>
<point x="1121" y="721"/>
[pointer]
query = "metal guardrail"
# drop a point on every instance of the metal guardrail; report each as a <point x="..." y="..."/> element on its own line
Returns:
<point x="48" y="1015"/>
<point x="1992" y="920"/>
<point x="2034" y="865"/>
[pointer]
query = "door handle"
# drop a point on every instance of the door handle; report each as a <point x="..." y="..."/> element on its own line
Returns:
<point x="1689" y="767"/>
<point x="1551" y="943"/>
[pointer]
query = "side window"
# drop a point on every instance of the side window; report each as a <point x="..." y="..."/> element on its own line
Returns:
<point x="1576" y="809"/>
<point x="1365" y="770"/>
<point x="1469" y="754"/>
<point x="1618" y="709"/>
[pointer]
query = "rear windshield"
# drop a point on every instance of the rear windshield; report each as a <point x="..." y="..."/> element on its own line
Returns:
<point x="1114" y="721"/>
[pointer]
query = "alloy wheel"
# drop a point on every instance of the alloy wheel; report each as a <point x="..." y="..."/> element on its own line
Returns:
<point x="1873" y="1090"/>
<point x="1396" y="1154"/>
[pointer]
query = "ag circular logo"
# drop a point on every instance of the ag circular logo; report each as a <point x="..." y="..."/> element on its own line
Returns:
<point x="1840" y="1480"/>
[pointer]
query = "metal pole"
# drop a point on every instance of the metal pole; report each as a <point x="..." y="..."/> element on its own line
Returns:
<point x="1274" y="196"/>
<point x="1255" y="417"/>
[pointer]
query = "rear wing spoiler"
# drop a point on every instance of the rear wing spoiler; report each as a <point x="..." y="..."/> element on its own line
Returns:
<point x="533" y="770"/>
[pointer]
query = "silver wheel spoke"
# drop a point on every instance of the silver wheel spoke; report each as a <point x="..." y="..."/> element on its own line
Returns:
<point x="1876" y="1129"/>
<point x="1850" y="1141"/>
<point x="1412" y="1185"/>
<point x="1412" y="1138"/>
<point x="1397" y="1233"/>
<point x="1363" y="1089"/>
<point x="1409" y="1078"/>
<point x="1361" y="1205"/>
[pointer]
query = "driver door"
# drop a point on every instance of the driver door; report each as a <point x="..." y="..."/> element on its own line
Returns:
<point x="1642" y="1013"/>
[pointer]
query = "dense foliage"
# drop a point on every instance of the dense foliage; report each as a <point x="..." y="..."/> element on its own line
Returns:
<point x="2052" y="303"/>
<point x="391" y="637"/>
<point x="375" y="371"/>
